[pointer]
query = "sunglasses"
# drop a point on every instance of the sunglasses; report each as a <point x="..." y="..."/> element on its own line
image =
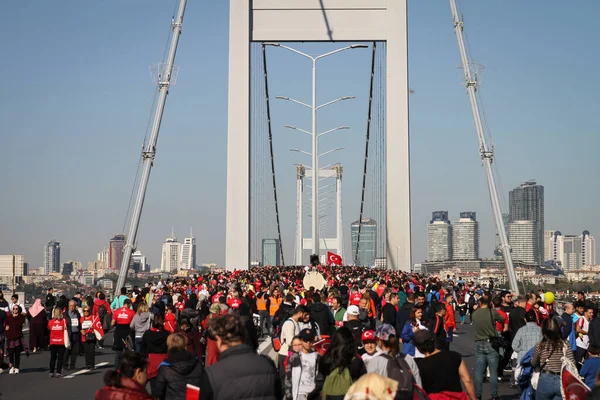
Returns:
<point x="86" y="311"/>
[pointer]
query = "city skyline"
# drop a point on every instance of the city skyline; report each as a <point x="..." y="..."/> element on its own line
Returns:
<point x="41" y="135"/>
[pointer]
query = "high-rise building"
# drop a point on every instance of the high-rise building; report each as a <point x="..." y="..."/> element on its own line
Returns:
<point x="522" y="240"/>
<point x="465" y="237"/>
<point x="67" y="268"/>
<point x="271" y="252"/>
<point x="138" y="261"/>
<point x="498" y="245"/>
<point x="115" y="249"/>
<point x="439" y="237"/>
<point x="548" y="245"/>
<point x="171" y="254"/>
<point x="52" y="257"/>
<point x="6" y="269"/>
<point x="572" y="252"/>
<point x="367" y="248"/>
<point x="527" y="204"/>
<point x="188" y="253"/>
<point x="588" y="249"/>
<point x="104" y="258"/>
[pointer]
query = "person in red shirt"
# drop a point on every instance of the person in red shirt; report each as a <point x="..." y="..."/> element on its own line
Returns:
<point x="90" y="327"/>
<point x="121" y="320"/>
<point x="57" y="327"/>
<point x="449" y="320"/>
<point x="170" y="319"/>
<point x="355" y="297"/>
<point x="180" y="305"/>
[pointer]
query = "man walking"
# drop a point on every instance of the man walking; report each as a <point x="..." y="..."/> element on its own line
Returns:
<point x="73" y="319"/>
<point x="484" y="322"/>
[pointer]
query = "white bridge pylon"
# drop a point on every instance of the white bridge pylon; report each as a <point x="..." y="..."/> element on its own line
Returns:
<point x="328" y="244"/>
<point x="318" y="21"/>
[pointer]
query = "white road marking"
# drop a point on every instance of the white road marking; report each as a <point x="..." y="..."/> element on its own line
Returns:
<point x="83" y="371"/>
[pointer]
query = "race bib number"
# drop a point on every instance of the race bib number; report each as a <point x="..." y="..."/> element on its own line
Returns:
<point x="86" y="325"/>
<point x="75" y="322"/>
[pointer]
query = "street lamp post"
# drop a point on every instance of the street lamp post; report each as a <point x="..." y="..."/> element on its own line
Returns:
<point x="313" y="133"/>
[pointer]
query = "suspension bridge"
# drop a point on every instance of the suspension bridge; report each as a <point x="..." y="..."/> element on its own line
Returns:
<point x="256" y="233"/>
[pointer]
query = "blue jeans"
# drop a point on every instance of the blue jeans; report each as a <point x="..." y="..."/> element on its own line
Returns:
<point x="548" y="388"/>
<point x="138" y="344"/>
<point x="486" y="356"/>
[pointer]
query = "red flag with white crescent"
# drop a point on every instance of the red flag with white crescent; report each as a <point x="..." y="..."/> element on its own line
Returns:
<point x="333" y="259"/>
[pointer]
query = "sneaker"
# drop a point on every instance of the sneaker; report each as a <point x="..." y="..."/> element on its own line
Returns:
<point x="16" y="371"/>
<point x="52" y="375"/>
<point x="59" y="375"/>
<point x="11" y="371"/>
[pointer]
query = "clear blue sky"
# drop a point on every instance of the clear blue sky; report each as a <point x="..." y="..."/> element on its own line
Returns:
<point x="76" y="96"/>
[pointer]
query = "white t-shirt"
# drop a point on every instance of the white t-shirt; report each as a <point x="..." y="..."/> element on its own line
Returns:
<point x="584" y="340"/>
<point x="309" y="372"/>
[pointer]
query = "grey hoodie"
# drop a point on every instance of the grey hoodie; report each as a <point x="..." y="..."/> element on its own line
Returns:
<point x="141" y="323"/>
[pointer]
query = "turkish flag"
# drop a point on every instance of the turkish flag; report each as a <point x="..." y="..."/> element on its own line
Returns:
<point x="333" y="259"/>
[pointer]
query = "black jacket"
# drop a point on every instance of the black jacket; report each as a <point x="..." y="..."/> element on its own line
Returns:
<point x="68" y="320"/>
<point x="154" y="342"/>
<point x="240" y="373"/>
<point x="179" y="369"/>
<point x="323" y="317"/>
<point x="594" y="332"/>
<point x="402" y="316"/>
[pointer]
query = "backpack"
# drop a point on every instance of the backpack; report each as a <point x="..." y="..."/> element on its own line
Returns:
<point x="399" y="370"/>
<point x="276" y="338"/>
<point x="102" y="314"/>
<point x="337" y="383"/>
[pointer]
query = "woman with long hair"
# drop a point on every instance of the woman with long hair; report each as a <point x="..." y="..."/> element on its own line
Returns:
<point x="15" y="343"/>
<point x="447" y="385"/>
<point x="128" y="381"/>
<point x="412" y="325"/>
<point x="37" y="317"/>
<point x="548" y="355"/>
<point x="341" y="354"/>
<point x="58" y="332"/>
<point x="141" y="323"/>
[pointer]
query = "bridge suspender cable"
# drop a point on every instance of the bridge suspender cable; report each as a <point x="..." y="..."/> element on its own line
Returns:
<point x="364" y="180"/>
<point x="264" y="57"/>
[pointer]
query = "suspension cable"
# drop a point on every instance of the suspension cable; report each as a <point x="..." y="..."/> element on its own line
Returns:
<point x="264" y="54"/>
<point x="364" y="180"/>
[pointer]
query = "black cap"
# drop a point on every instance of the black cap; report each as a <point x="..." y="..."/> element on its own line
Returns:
<point x="307" y="335"/>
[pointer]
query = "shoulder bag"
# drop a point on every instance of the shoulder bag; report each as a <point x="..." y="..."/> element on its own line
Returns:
<point x="499" y="341"/>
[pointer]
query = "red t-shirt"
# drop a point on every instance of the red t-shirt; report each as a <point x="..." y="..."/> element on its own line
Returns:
<point x="180" y="306"/>
<point x="123" y="316"/>
<point x="215" y="298"/>
<point x="504" y="315"/>
<point x="355" y="298"/>
<point x="57" y="331"/>
<point x="170" y="322"/>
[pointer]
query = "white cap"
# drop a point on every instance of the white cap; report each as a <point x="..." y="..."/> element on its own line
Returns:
<point x="353" y="310"/>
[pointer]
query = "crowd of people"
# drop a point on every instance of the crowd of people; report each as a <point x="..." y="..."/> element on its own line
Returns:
<point x="366" y="334"/>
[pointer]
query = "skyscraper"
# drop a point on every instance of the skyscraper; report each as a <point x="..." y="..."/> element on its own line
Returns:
<point x="115" y="250"/>
<point x="439" y="237"/>
<point x="465" y="237"/>
<point x="138" y="261"/>
<point x="572" y="252"/>
<point x="527" y="204"/>
<point x="548" y="245"/>
<point x="103" y="258"/>
<point x="52" y="257"/>
<point x="271" y="252"/>
<point x="171" y="254"/>
<point x="522" y="240"/>
<point x="367" y="248"/>
<point x="188" y="252"/>
<point x="588" y="249"/>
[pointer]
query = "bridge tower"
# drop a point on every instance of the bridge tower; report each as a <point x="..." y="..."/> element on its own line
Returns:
<point x="318" y="21"/>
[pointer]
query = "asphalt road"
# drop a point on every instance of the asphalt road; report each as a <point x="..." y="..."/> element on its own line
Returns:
<point x="33" y="381"/>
